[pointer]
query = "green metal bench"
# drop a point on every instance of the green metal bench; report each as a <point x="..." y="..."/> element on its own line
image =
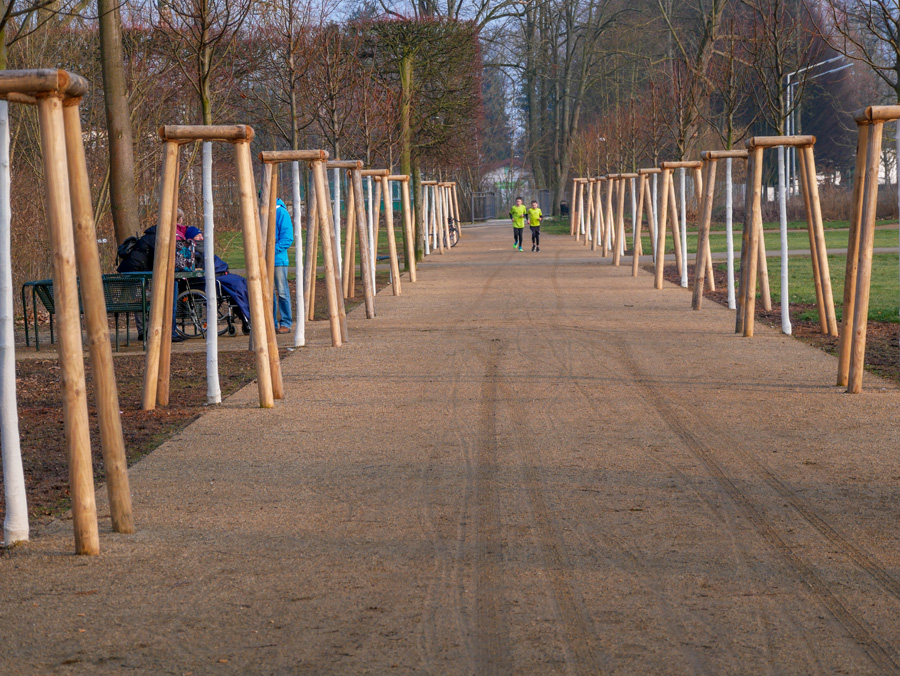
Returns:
<point x="124" y="293"/>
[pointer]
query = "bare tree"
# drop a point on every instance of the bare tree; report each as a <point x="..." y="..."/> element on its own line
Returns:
<point x="867" y="31"/>
<point x="200" y="35"/>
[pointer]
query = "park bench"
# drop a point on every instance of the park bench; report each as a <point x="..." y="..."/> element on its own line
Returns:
<point x="124" y="293"/>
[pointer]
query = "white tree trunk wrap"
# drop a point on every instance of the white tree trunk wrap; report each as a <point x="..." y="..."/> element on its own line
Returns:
<point x="653" y="224"/>
<point x="300" y="300"/>
<point x="373" y="245"/>
<point x="436" y="217"/>
<point x="681" y="191"/>
<point x="15" y="525"/>
<point x="337" y="218"/>
<point x="782" y="214"/>
<point x="633" y="216"/>
<point x="729" y="236"/>
<point x="426" y="219"/>
<point x="213" y="390"/>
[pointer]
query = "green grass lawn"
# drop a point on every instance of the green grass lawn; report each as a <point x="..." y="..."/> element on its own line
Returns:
<point x="884" y="294"/>
<point x="885" y="290"/>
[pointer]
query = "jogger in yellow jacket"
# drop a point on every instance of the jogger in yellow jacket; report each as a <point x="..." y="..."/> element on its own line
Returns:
<point x="517" y="214"/>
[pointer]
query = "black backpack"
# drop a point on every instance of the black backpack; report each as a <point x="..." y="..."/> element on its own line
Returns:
<point x="136" y="254"/>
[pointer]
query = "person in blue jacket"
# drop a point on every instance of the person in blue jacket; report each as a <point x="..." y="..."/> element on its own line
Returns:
<point x="284" y="238"/>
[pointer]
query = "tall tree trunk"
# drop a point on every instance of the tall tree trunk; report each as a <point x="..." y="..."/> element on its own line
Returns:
<point x="406" y="85"/>
<point x="118" y="123"/>
<point x="418" y="215"/>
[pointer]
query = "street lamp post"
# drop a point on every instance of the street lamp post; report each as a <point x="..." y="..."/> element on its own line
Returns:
<point x="791" y="121"/>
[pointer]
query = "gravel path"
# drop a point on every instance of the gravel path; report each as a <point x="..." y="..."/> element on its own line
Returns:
<point x="526" y="464"/>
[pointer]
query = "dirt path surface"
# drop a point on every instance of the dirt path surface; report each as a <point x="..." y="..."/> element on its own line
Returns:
<point x="527" y="464"/>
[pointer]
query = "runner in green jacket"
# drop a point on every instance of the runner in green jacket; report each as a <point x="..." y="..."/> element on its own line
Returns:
<point x="535" y="216"/>
<point x="517" y="214"/>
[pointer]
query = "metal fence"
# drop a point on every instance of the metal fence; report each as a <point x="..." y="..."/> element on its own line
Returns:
<point x="545" y="201"/>
<point x="483" y="205"/>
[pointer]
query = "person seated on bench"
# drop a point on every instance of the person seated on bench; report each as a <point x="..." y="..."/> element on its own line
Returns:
<point x="136" y="255"/>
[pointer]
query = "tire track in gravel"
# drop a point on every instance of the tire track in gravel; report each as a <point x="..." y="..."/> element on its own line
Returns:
<point x="674" y="620"/>
<point x="880" y="652"/>
<point x="452" y="564"/>
<point x="491" y="648"/>
<point x="850" y="550"/>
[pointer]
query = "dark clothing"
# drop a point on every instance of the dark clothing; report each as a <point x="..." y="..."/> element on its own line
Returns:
<point x="517" y="236"/>
<point x="137" y="256"/>
<point x="236" y="287"/>
<point x="536" y="235"/>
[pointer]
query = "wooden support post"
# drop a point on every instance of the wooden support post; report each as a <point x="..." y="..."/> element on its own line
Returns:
<point x="255" y="281"/>
<point x="637" y="245"/>
<point x="739" y="320"/>
<point x="271" y="235"/>
<point x="389" y="227"/>
<point x="446" y="216"/>
<point x="406" y="206"/>
<point x="267" y="275"/>
<point x="819" y="236"/>
<point x="589" y="221"/>
<point x="349" y="271"/>
<point x="456" y="206"/>
<point x="814" y="258"/>
<point x="165" y="348"/>
<point x="377" y="218"/>
<point x="607" y="218"/>
<point x="572" y="210"/>
<point x="698" y="190"/>
<point x="106" y="393"/>
<point x="334" y="219"/>
<point x="864" y="264"/>
<point x="265" y="201"/>
<point x="763" y="258"/>
<point x="161" y="274"/>
<point x="318" y="169"/>
<point x="598" y="214"/>
<point x="701" y="267"/>
<point x="620" y="221"/>
<point x="71" y="357"/>
<point x="580" y="210"/>
<point x="635" y="255"/>
<point x="850" y="276"/>
<point x="676" y="228"/>
<point x="753" y="225"/>
<point x="661" y="229"/>
<point x="436" y="214"/>
<point x="365" y="260"/>
<point x="312" y="249"/>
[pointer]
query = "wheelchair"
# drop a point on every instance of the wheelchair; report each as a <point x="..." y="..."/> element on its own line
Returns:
<point x="192" y="318"/>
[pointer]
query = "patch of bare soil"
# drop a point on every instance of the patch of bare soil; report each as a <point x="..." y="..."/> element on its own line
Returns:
<point x="882" y="338"/>
<point x="41" y="418"/>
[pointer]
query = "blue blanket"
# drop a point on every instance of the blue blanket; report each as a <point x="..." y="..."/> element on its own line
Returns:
<point x="236" y="287"/>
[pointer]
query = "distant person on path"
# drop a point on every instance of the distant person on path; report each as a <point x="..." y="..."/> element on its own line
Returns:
<point x="284" y="238"/>
<point x="517" y="214"/>
<point x="535" y="216"/>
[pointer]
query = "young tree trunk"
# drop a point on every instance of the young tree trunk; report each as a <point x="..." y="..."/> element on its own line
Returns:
<point x="118" y="122"/>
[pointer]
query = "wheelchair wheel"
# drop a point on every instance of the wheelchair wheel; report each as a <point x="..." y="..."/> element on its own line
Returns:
<point x="191" y="314"/>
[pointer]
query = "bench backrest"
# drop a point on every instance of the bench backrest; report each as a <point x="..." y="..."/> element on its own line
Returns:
<point x="123" y="293"/>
